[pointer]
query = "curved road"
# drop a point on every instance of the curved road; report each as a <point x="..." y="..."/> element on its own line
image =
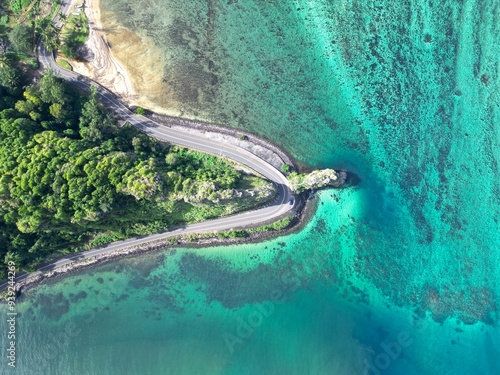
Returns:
<point x="278" y="208"/>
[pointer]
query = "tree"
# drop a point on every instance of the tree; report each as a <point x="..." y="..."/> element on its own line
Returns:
<point x="49" y="33"/>
<point x="171" y="159"/>
<point x="53" y="89"/>
<point x="21" y="37"/>
<point x="10" y="77"/>
<point x="94" y="123"/>
<point x="4" y="61"/>
<point x="71" y="45"/>
<point x="33" y="94"/>
<point x="50" y="39"/>
<point x="57" y="111"/>
<point x="25" y="106"/>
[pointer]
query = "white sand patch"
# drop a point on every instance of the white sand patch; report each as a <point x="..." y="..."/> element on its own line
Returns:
<point x="101" y="65"/>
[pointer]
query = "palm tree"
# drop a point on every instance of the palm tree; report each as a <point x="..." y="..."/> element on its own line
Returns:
<point x="9" y="77"/>
<point x="49" y="33"/>
<point x="4" y="61"/>
<point x="13" y="81"/>
<point x="51" y="37"/>
<point x="50" y="41"/>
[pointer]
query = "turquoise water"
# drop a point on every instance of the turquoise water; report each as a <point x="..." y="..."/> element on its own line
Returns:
<point x="295" y="305"/>
<point x="405" y="95"/>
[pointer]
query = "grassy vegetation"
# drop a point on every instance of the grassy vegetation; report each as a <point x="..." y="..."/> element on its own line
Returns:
<point x="251" y="182"/>
<point x="277" y="225"/>
<point x="242" y="233"/>
<point x="64" y="64"/>
<point x="75" y="33"/>
<point x="22" y="24"/>
<point x="19" y="6"/>
<point x="104" y="238"/>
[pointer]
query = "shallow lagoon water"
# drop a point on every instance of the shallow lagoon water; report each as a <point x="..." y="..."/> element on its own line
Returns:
<point x="294" y="305"/>
<point x="405" y="95"/>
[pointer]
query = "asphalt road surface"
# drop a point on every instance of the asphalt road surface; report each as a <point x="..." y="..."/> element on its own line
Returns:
<point x="280" y="207"/>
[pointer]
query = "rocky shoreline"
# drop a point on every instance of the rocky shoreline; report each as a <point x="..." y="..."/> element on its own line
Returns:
<point x="304" y="211"/>
<point x="258" y="146"/>
<point x="263" y="148"/>
<point x="304" y="206"/>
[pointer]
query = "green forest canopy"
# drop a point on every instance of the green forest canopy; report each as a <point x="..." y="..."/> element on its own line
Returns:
<point x="68" y="172"/>
<point x="70" y="178"/>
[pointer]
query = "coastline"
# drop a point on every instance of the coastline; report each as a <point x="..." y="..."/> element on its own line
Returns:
<point x="125" y="67"/>
<point x="263" y="148"/>
<point x="305" y="210"/>
<point x="104" y="67"/>
<point x="100" y="64"/>
<point x="256" y="144"/>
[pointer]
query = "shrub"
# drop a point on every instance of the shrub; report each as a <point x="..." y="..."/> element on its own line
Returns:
<point x="285" y="168"/>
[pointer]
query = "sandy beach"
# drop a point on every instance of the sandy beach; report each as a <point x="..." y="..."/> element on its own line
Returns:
<point x="119" y="59"/>
<point x="101" y="64"/>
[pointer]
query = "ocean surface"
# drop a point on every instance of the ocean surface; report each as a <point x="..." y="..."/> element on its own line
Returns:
<point x="398" y="275"/>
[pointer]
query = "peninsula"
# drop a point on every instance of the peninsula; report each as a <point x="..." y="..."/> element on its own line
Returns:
<point x="172" y="131"/>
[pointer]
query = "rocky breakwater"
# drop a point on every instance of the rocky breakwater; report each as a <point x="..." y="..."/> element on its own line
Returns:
<point x="316" y="180"/>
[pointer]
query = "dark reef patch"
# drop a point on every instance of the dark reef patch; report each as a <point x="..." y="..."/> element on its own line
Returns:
<point x="80" y="295"/>
<point x="53" y="306"/>
<point x="236" y="288"/>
